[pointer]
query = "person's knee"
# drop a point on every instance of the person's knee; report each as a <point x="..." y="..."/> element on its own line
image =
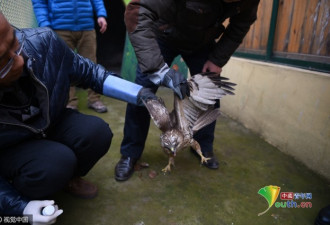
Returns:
<point x="99" y="135"/>
<point x="106" y="138"/>
<point x="48" y="174"/>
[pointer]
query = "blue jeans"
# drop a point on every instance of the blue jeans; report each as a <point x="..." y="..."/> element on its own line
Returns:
<point x="137" y="120"/>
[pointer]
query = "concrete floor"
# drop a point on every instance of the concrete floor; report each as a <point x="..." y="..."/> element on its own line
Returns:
<point x="193" y="194"/>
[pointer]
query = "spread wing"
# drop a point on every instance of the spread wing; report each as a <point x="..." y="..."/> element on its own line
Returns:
<point x="205" y="89"/>
<point x="159" y="113"/>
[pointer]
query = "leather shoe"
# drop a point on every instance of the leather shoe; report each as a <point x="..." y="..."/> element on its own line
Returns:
<point x="124" y="168"/>
<point x="81" y="188"/>
<point x="212" y="163"/>
<point x="323" y="218"/>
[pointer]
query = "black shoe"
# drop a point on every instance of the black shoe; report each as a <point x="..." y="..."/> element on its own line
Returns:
<point x="212" y="163"/>
<point x="323" y="218"/>
<point x="124" y="168"/>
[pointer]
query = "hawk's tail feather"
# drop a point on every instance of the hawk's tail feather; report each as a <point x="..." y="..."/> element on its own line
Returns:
<point x="228" y="85"/>
<point x="199" y="105"/>
<point x="190" y="111"/>
<point x="206" y="118"/>
<point x="200" y="99"/>
<point x="229" y="92"/>
<point x="206" y="87"/>
<point x="218" y="80"/>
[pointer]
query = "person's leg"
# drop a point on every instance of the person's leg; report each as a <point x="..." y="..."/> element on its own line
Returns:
<point x="88" y="136"/>
<point x="137" y="122"/>
<point x="70" y="38"/>
<point x="204" y="136"/>
<point x="73" y="99"/>
<point x="87" y="48"/>
<point x="38" y="168"/>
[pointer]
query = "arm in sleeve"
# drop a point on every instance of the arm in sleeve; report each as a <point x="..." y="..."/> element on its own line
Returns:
<point x="86" y="74"/>
<point x="107" y="83"/>
<point x="11" y="202"/>
<point x="64" y="65"/>
<point x="40" y="8"/>
<point x="99" y="9"/>
<point x="234" y="34"/>
<point x="140" y="20"/>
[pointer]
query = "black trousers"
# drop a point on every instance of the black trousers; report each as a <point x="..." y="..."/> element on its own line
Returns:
<point x="137" y="119"/>
<point x="40" y="167"/>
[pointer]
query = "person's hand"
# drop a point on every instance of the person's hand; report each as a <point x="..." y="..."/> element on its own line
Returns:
<point x="34" y="208"/>
<point x="176" y="81"/>
<point x="103" y="24"/>
<point x="145" y="94"/>
<point x="211" y="67"/>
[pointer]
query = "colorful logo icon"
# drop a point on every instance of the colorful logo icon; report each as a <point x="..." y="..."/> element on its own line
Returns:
<point x="270" y="193"/>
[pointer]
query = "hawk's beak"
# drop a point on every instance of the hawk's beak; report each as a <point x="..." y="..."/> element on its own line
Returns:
<point x="173" y="151"/>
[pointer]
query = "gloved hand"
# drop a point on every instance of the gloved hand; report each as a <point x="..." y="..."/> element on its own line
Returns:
<point x="34" y="208"/>
<point x="176" y="81"/>
<point x="145" y="94"/>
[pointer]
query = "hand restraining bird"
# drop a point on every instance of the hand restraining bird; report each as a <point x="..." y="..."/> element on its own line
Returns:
<point x="189" y="114"/>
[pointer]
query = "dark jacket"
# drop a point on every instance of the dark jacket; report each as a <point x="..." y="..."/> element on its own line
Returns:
<point x="187" y="25"/>
<point x="52" y="67"/>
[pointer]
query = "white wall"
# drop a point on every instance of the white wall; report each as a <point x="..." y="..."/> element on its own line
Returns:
<point x="288" y="107"/>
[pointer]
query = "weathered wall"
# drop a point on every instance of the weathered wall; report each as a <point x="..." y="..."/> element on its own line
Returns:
<point x="288" y="107"/>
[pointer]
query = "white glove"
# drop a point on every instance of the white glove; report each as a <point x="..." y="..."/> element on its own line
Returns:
<point x="34" y="208"/>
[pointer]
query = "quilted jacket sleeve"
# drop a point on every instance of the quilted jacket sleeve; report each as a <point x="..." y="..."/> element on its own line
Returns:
<point x="99" y="8"/>
<point x="233" y="35"/>
<point x="140" y="18"/>
<point x="62" y="63"/>
<point x="57" y="67"/>
<point x="11" y="202"/>
<point x="41" y="11"/>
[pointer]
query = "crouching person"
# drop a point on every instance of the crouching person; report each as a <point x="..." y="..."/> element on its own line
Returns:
<point x="45" y="147"/>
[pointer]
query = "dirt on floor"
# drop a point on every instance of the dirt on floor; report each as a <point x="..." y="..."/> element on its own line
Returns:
<point x="192" y="194"/>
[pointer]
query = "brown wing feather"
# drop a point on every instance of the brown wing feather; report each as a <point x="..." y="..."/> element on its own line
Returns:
<point x="159" y="113"/>
<point x="205" y="89"/>
<point x="206" y="118"/>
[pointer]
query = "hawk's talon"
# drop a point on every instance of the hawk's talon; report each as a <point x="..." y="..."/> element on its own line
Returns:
<point x="204" y="159"/>
<point x="167" y="169"/>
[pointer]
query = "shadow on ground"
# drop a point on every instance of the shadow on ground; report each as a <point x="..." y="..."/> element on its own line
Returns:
<point x="192" y="194"/>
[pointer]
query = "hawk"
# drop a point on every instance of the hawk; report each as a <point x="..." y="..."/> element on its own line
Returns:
<point x="189" y="114"/>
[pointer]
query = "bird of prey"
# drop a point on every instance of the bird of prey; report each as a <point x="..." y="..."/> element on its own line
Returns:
<point x="189" y="114"/>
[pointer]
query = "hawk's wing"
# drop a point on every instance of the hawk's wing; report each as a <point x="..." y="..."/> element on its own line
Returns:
<point x="205" y="89"/>
<point x="159" y="113"/>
